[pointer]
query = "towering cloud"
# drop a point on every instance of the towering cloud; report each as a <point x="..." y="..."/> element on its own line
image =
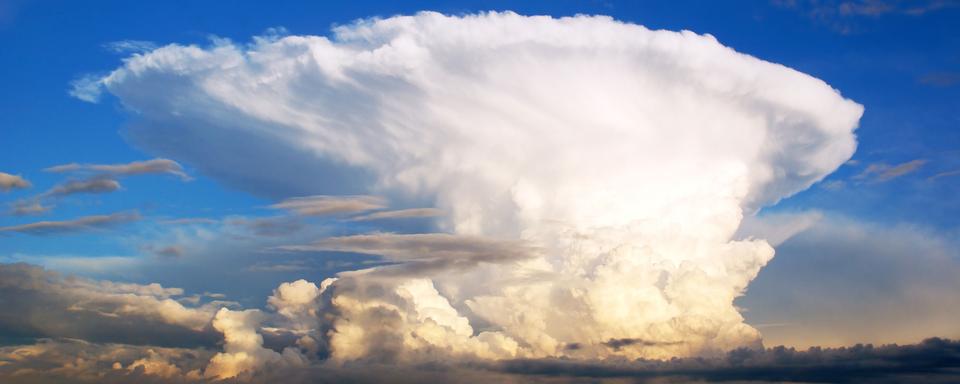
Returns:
<point x="627" y="157"/>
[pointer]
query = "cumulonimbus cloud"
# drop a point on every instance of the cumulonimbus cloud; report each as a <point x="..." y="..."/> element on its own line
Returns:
<point x="629" y="156"/>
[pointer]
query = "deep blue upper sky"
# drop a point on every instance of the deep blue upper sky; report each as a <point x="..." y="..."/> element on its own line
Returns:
<point x="902" y="64"/>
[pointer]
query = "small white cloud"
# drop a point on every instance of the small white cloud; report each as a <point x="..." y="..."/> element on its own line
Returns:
<point x="88" y="88"/>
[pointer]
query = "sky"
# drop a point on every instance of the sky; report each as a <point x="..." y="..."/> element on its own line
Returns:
<point x="474" y="191"/>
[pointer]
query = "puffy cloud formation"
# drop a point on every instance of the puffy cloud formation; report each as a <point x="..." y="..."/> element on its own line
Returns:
<point x="627" y="156"/>
<point x="153" y="166"/>
<point x="243" y="348"/>
<point x="8" y="182"/>
<point x="40" y="303"/>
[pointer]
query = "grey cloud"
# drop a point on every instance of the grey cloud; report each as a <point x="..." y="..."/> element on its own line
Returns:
<point x="628" y="342"/>
<point x="154" y="166"/>
<point x="330" y="205"/>
<point x="97" y="185"/>
<point x="420" y="253"/>
<point x="940" y="79"/>
<point x="75" y="225"/>
<point x="168" y="251"/>
<point x="8" y="182"/>
<point x="881" y="172"/>
<point x="38" y="303"/>
<point x="401" y="214"/>
<point x="28" y="207"/>
<point x="268" y="226"/>
<point x="931" y="361"/>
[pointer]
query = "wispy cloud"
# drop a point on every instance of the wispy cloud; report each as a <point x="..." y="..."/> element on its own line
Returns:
<point x="322" y="205"/>
<point x="940" y="79"/>
<point x="426" y="252"/>
<point x="75" y="225"/>
<point x="842" y="15"/>
<point x="400" y="214"/>
<point x="130" y="46"/>
<point x="268" y="226"/>
<point x="72" y="187"/>
<point x="8" y="182"/>
<point x="154" y="166"/>
<point x="881" y="172"/>
<point x="28" y="207"/>
<point x="955" y="172"/>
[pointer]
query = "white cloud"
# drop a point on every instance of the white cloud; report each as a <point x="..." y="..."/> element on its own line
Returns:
<point x="88" y="88"/>
<point x="629" y="156"/>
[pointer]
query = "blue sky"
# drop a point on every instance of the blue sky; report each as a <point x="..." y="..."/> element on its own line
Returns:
<point x="902" y="63"/>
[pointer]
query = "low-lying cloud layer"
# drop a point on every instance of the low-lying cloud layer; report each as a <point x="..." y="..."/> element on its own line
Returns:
<point x="625" y="157"/>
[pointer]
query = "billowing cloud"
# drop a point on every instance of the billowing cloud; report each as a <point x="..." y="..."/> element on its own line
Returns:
<point x="79" y="224"/>
<point x="154" y="166"/>
<point x="39" y="303"/>
<point x="628" y="157"/>
<point x="8" y="182"/>
<point x="244" y="353"/>
<point x="72" y="187"/>
<point x="330" y="205"/>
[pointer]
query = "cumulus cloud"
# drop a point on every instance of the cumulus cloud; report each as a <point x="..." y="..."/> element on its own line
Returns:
<point x="244" y="353"/>
<point x="85" y="223"/>
<point x="330" y="205"/>
<point x="154" y="166"/>
<point x="8" y="182"/>
<point x="72" y="187"/>
<point x="627" y="156"/>
<point x="39" y="303"/>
